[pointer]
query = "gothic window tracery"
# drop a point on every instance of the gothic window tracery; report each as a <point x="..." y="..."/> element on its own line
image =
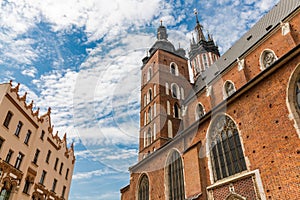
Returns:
<point x="227" y="157"/>
<point x="144" y="188"/>
<point x="175" y="177"/>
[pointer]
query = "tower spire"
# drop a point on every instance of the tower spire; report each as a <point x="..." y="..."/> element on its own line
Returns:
<point x="198" y="28"/>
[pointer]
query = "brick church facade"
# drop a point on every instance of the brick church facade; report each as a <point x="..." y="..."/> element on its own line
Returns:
<point x="234" y="132"/>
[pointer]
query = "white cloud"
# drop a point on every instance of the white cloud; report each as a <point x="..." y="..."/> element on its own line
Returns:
<point x="90" y="174"/>
<point x="31" y="71"/>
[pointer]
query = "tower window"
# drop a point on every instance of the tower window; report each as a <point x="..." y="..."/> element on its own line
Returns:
<point x="144" y="188"/>
<point x="227" y="155"/>
<point x="7" y="119"/>
<point x="175" y="177"/>
<point x="174" y="69"/>
<point x="149" y="75"/>
<point x="204" y="57"/>
<point x="176" y="111"/>
<point x="175" y="91"/>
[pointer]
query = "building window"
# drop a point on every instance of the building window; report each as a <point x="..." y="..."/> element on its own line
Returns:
<point x="149" y="114"/>
<point x="7" y="119"/>
<point x="229" y="89"/>
<point x="176" y="111"/>
<point x="168" y="108"/>
<point x="27" y="137"/>
<point x="175" y="91"/>
<point x="174" y="69"/>
<point x="144" y="188"/>
<point x="293" y="98"/>
<point x="204" y="57"/>
<point x="154" y="90"/>
<point x="167" y="88"/>
<point x="63" y="192"/>
<point x="42" y="135"/>
<point x="19" y="160"/>
<point x="150" y="95"/>
<point x="61" y="167"/>
<point x="149" y="137"/>
<point x="267" y="58"/>
<point x="56" y="163"/>
<point x="145" y="118"/>
<point x="54" y="185"/>
<point x="6" y="191"/>
<point x="26" y="186"/>
<point x="175" y="177"/>
<point x="36" y="156"/>
<point x="227" y="155"/>
<point x="1" y="142"/>
<point x="43" y="176"/>
<point x="149" y="75"/>
<point x="170" y="129"/>
<point x="145" y="100"/>
<point x="8" y="156"/>
<point x="48" y="156"/>
<point x="19" y="126"/>
<point x="67" y="174"/>
<point x="199" y="111"/>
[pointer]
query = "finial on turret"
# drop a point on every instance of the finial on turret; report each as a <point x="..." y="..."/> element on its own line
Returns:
<point x="161" y="21"/>
<point x="196" y="14"/>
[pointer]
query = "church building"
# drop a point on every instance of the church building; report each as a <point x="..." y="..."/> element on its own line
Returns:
<point x="232" y="132"/>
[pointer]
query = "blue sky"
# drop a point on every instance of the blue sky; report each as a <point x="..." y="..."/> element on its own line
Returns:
<point x="83" y="59"/>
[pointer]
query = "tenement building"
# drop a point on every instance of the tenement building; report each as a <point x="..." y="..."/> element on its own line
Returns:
<point x="35" y="163"/>
<point x="233" y="131"/>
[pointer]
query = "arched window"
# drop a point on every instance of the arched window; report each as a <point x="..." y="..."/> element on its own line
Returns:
<point x="175" y="180"/>
<point x="170" y="129"/>
<point x="293" y="98"/>
<point x="149" y="114"/>
<point x="175" y="91"/>
<point x="168" y="108"/>
<point x="145" y="118"/>
<point x="176" y="111"/>
<point x="229" y="89"/>
<point x="144" y="188"/>
<point x="145" y="100"/>
<point x="227" y="157"/>
<point x="154" y="110"/>
<point x="154" y="90"/>
<point x="149" y="75"/>
<point x="154" y="131"/>
<point x="150" y="95"/>
<point x="267" y="58"/>
<point x="174" y="69"/>
<point x="199" y="111"/>
<point x="182" y="93"/>
<point x="149" y="136"/>
<point x="167" y="88"/>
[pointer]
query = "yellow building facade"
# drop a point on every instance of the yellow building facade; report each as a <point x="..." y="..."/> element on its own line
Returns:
<point x="35" y="163"/>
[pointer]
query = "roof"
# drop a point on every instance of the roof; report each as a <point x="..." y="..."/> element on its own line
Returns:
<point x="265" y="25"/>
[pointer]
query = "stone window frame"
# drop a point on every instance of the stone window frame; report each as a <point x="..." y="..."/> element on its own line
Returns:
<point x="213" y="173"/>
<point x="174" y="70"/>
<point x="262" y="61"/>
<point x="226" y="92"/>
<point x="174" y="163"/>
<point x="175" y="91"/>
<point x="143" y="190"/>
<point x="291" y="98"/>
<point x="197" y="117"/>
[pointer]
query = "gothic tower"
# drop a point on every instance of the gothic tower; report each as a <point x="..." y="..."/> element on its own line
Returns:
<point x="164" y="82"/>
<point x="203" y="53"/>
